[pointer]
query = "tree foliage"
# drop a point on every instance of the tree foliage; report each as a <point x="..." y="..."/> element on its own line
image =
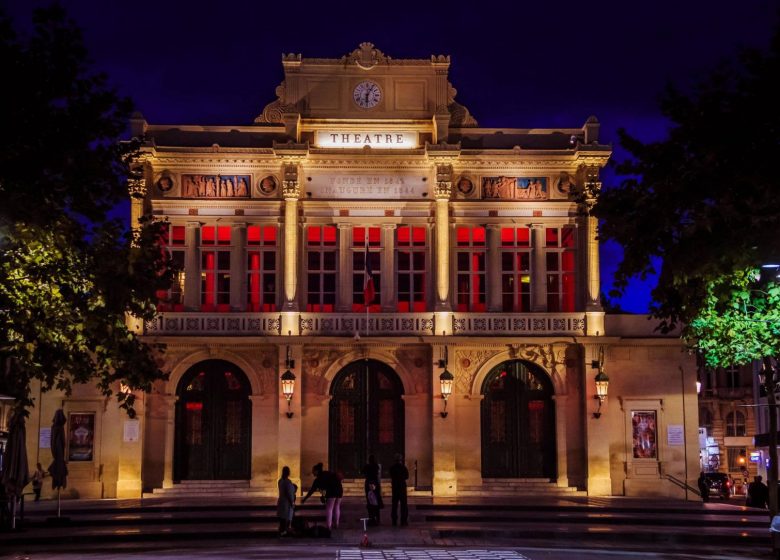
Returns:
<point x="705" y="199"/>
<point x="68" y="274"/>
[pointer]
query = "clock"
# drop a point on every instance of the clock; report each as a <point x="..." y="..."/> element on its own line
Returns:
<point x="367" y="94"/>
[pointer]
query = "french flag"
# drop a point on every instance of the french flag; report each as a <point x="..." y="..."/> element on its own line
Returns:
<point x="369" y="291"/>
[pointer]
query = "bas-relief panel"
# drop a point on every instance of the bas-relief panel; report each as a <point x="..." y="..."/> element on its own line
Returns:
<point x="515" y="188"/>
<point x="216" y="186"/>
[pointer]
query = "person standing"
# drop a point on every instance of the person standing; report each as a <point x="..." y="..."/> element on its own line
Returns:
<point x="285" y="505"/>
<point x="373" y="490"/>
<point x="37" y="481"/>
<point x="399" y="474"/>
<point x="327" y="482"/>
<point x="757" y="494"/>
<point x="704" y="488"/>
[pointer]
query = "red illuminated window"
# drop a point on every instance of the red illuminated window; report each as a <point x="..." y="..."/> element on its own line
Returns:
<point x="560" y="263"/>
<point x="515" y="270"/>
<point x="411" y="268"/>
<point x="215" y="268"/>
<point x="470" y="268"/>
<point x="173" y="243"/>
<point x="261" y="268"/>
<point x="321" y="264"/>
<point x="362" y="236"/>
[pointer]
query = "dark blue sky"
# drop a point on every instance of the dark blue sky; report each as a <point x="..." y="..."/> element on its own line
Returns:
<point x="517" y="63"/>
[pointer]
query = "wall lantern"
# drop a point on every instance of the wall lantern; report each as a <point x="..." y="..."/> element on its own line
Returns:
<point x="288" y="382"/>
<point x="445" y="380"/>
<point x="602" y="382"/>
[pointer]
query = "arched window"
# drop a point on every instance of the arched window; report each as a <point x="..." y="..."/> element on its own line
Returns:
<point x="735" y="424"/>
<point x="705" y="419"/>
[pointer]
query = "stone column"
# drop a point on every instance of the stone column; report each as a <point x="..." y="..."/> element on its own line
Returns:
<point x="538" y="270"/>
<point x="344" y="272"/>
<point x="442" y="193"/>
<point x="561" y="443"/>
<point x="494" y="295"/>
<point x="389" y="294"/>
<point x="291" y="192"/>
<point x="129" y="466"/>
<point x="238" y="267"/>
<point x="593" y="311"/>
<point x="265" y="437"/>
<point x="597" y="431"/>
<point x="170" y="433"/>
<point x="290" y="429"/>
<point x="192" y="267"/>
<point x="445" y="438"/>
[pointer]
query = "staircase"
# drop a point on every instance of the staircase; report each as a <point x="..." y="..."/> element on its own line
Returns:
<point x="509" y="487"/>
<point x="224" y="489"/>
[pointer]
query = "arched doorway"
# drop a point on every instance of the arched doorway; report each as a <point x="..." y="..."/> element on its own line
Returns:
<point x="213" y="423"/>
<point x="518" y="422"/>
<point x="366" y="417"/>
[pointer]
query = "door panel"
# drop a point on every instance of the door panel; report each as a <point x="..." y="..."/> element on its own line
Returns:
<point x="213" y="423"/>
<point x="366" y="417"/>
<point x="518" y="427"/>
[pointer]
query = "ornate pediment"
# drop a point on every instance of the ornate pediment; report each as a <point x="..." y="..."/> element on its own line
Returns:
<point x="460" y="117"/>
<point x="273" y="111"/>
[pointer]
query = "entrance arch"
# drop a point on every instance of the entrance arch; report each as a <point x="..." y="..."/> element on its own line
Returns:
<point x="366" y="417"/>
<point x="213" y="423"/>
<point x="518" y="422"/>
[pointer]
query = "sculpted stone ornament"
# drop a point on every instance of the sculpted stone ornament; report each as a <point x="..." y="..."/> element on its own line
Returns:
<point x="459" y="115"/>
<point x="136" y="186"/>
<point x="274" y="111"/>
<point x="366" y="56"/>
<point x="290" y="186"/>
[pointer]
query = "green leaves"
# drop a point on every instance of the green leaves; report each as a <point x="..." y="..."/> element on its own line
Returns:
<point x="68" y="275"/>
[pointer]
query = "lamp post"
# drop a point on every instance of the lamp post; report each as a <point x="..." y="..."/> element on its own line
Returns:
<point x="445" y="383"/>
<point x="602" y="382"/>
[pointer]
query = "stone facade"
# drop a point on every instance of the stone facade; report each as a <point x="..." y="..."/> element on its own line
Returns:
<point x="485" y="263"/>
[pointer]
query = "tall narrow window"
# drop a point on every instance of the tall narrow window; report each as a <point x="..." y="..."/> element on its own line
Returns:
<point x="470" y="271"/>
<point x="363" y="237"/>
<point x="560" y="269"/>
<point x="215" y="268"/>
<point x="173" y="242"/>
<point x="321" y="268"/>
<point x="410" y="275"/>
<point x="735" y="424"/>
<point x="515" y="270"/>
<point x="261" y="268"/>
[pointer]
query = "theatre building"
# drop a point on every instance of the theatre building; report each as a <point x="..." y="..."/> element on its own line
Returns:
<point x="365" y="234"/>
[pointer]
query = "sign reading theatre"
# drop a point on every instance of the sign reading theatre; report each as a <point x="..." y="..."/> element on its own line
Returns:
<point x="375" y="138"/>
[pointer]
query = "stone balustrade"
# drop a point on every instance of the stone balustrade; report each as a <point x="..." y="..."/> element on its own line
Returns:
<point x="374" y="324"/>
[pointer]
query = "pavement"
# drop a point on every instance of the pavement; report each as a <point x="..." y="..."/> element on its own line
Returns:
<point x="468" y="529"/>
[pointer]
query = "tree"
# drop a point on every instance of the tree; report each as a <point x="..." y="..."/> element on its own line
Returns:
<point x="705" y="202"/>
<point x="705" y="199"/>
<point x="68" y="274"/>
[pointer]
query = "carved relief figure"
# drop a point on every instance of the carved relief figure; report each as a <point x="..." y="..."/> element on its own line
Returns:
<point x="268" y="186"/>
<point x="215" y="186"/>
<point x="534" y="188"/>
<point x="165" y="183"/>
<point x="565" y="184"/>
<point x="465" y="186"/>
<point x="499" y="187"/>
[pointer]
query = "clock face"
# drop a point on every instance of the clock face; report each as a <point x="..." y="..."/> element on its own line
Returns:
<point x="367" y="94"/>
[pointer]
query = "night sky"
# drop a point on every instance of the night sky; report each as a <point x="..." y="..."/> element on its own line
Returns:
<point x="514" y="64"/>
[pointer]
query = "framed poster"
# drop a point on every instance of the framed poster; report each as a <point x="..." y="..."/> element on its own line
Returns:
<point x="644" y="429"/>
<point x="81" y="436"/>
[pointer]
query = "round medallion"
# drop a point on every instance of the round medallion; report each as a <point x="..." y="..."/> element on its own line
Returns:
<point x="367" y="94"/>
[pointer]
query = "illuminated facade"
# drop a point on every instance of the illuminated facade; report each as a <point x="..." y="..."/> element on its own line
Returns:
<point x="480" y="261"/>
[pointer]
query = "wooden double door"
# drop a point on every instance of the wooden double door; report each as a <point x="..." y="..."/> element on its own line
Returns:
<point x="366" y="417"/>
<point x="213" y="423"/>
<point x="518" y="422"/>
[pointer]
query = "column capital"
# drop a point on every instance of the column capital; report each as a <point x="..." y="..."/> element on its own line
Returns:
<point x="536" y="226"/>
<point x="343" y="225"/>
<point x="238" y="225"/>
<point x="192" y="224"/>
<point x="494" y="226"/>
<point x="389" y="226"/>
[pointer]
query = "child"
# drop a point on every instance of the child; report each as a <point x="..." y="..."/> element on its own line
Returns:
<point x="372" y="503"/>
<point x="37" y="481"/>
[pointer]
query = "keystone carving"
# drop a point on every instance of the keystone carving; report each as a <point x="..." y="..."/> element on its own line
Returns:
<point x="290" y="187"/>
